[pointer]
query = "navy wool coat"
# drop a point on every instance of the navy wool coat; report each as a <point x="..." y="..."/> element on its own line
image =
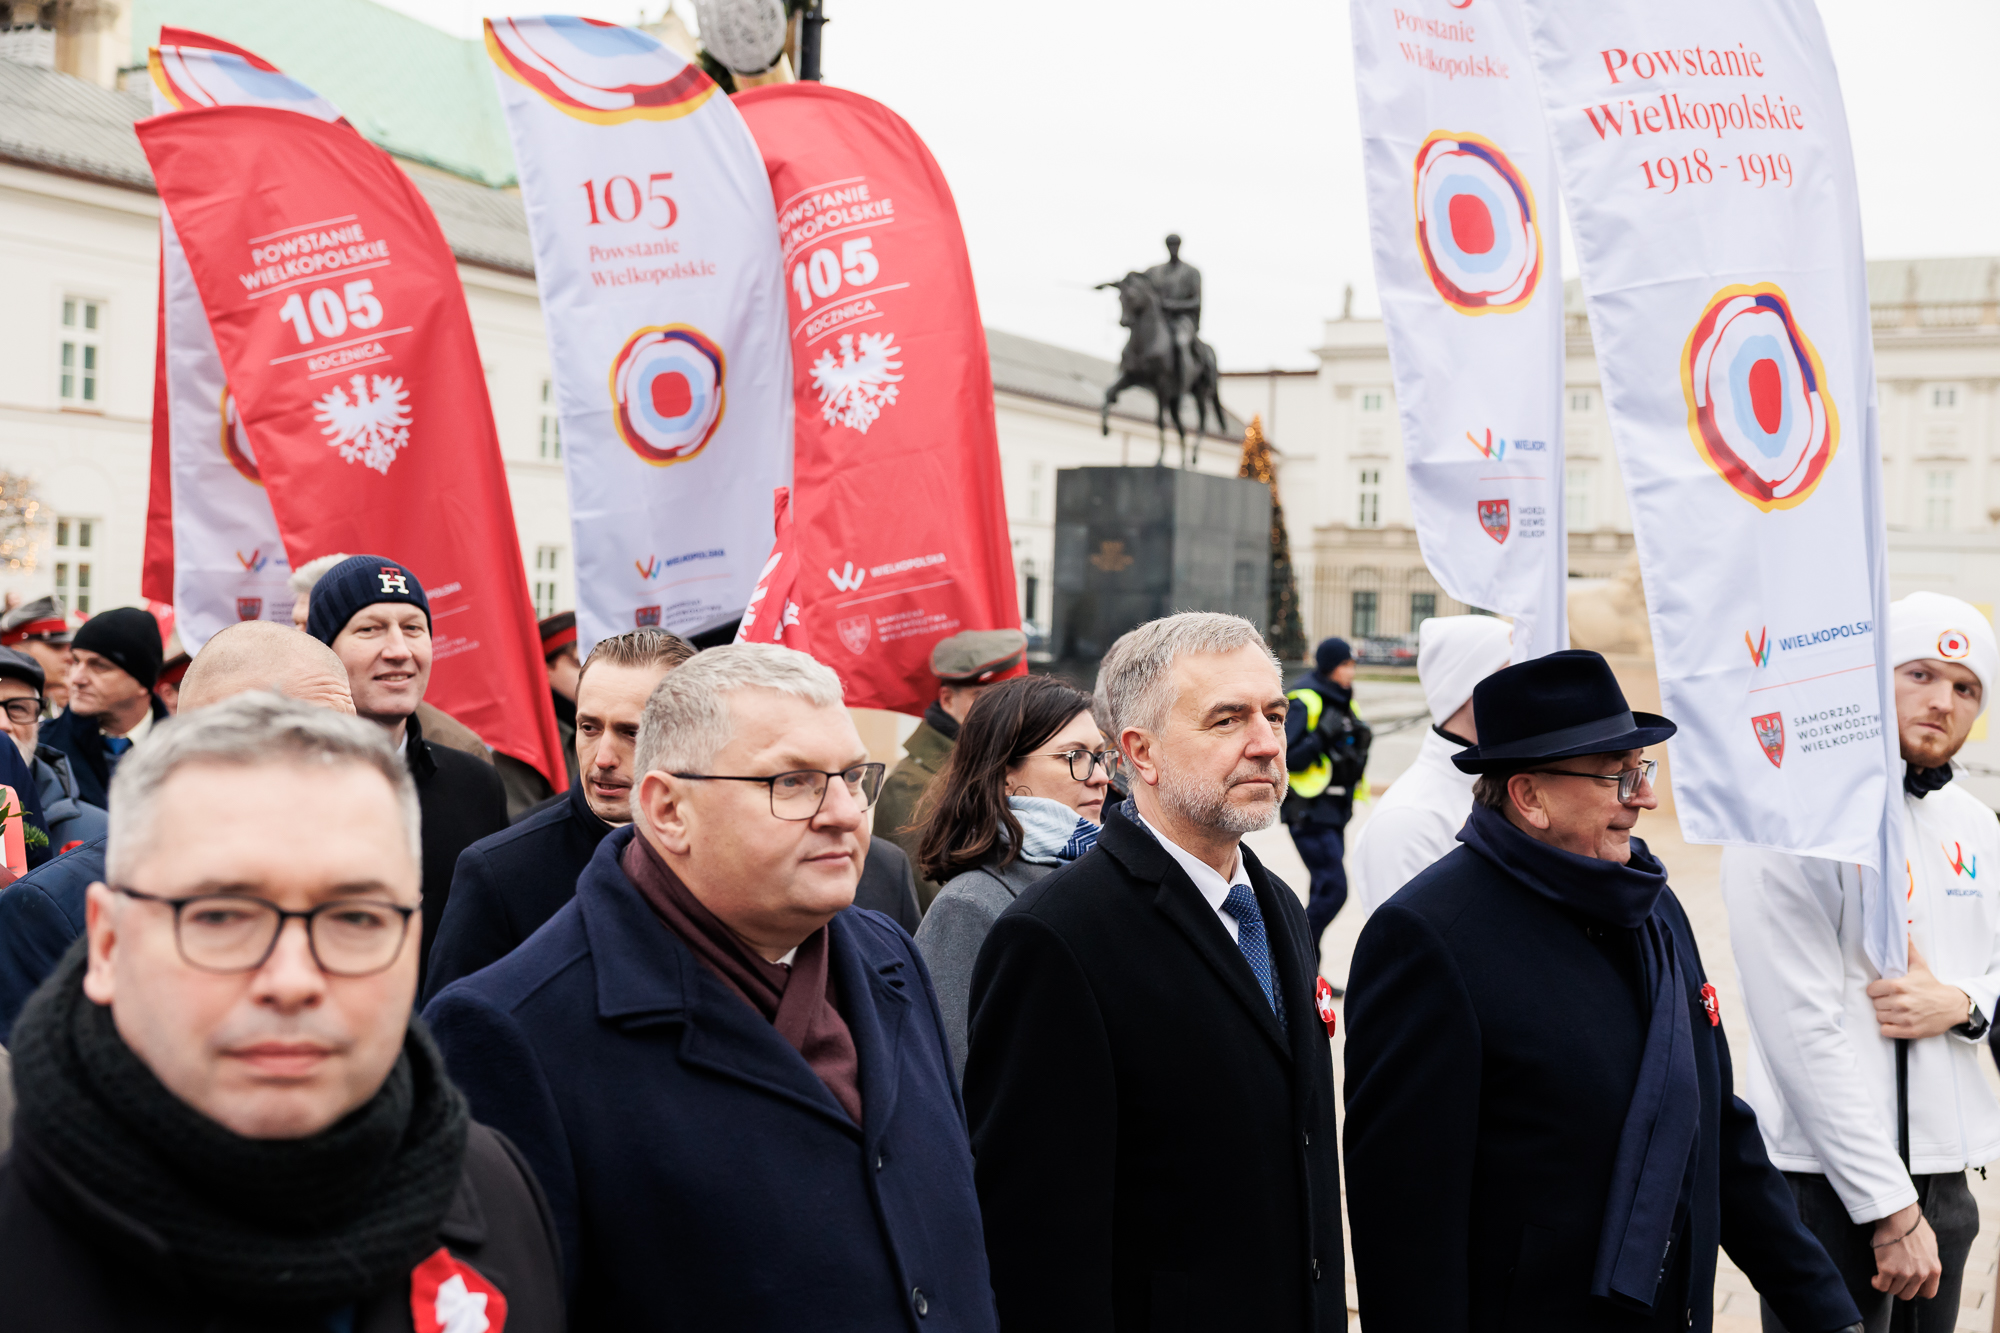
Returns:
<point x="700" y="1174"/>
<point x="1493" y="1042"/>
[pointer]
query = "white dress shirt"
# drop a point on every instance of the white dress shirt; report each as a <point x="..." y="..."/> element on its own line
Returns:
<point x="1213" y="888"/>
<point x="140" y="729"/>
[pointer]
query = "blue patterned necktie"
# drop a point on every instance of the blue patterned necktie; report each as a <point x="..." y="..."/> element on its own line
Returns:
<point x="1256" y="947"/>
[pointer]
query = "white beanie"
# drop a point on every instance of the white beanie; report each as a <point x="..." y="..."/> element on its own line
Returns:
<point x="1932" y="625"/>
<point x="1455" y="653"/>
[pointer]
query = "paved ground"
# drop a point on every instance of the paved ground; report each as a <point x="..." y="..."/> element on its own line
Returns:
<point x="1692" y="870"/>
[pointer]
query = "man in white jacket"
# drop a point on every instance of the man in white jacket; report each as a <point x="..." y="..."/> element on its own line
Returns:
<point x="1824" y="1024"/>
<point x="1419" y="817"/>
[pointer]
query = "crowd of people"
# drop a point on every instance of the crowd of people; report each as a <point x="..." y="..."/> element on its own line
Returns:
<point x="323" y="1017"/>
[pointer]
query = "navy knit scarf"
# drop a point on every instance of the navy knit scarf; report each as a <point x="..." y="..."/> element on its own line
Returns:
<point x="1652" y="1176"/>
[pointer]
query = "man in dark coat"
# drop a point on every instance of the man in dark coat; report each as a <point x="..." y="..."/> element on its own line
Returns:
<point x="737" y="1092"/>
<point x="1149" y="1084"/>
<point x="1326" y="753"/>
<point x="964" y="663"/>
<point x="1542" y="1129"/>
<point x="111" y="703"/>
<point x="42" y="912"/>
<point x="374" y="615"/>
<point x="225" y="1123"/>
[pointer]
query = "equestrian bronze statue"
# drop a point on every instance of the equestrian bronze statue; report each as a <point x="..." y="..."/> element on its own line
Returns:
<point x="1163" y="353"/>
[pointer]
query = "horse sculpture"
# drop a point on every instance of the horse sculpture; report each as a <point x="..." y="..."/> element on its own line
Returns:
<point x="1152" y="360"/>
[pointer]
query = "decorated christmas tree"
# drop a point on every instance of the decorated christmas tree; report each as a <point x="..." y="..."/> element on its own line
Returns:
<point x="1283" y="629"/>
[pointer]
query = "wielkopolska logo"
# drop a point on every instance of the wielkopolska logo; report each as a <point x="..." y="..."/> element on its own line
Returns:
<point x="1477" y="228"/>
<point x="596" y="71"/>
<point x="667" y="392"/>
<point x="235" y="443"/>
<point x="1758" y="407"/>
<point x="1770" y="729"/>
<point x="1760" y="647"/>
<point x="1953" y="645"/>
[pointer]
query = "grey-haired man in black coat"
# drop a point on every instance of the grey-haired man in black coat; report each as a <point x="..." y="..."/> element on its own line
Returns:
<point x="1542" y="1131"/>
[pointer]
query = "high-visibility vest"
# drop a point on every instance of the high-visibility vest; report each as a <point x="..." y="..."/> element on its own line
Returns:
<point x="1310" y="781"/>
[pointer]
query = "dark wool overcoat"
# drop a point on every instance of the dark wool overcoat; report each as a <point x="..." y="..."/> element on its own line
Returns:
<point x="702" y="1176"/>
<point x="1493" y="1042"/>
<point x="1154" y="1151"/>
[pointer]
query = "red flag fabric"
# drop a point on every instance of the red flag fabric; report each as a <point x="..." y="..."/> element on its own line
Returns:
<point x="337" y="311"/>
<point x="156" y="573"/>
<point x="901" y="526"/>
<point x="773" y="613"/>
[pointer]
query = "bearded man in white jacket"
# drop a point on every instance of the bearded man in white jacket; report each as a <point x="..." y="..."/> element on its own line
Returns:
<point x="1417" y="820"/>
<point x="1824" y="1024"/>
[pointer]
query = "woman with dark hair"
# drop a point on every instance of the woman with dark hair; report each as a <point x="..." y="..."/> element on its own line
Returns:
<point x="1022" y="793"/>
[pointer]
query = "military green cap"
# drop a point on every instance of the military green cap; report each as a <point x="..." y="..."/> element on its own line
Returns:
<point x="980" y="656"/>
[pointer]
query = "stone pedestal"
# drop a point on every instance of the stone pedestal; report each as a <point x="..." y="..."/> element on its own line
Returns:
<point x="1134" y="544"/>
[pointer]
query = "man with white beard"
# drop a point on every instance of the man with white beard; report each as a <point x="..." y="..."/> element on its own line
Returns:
<point x="1417" y="820"/>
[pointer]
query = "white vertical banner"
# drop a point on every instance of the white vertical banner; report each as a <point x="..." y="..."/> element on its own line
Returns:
<point x="1462" y="211"/>
<point x="656" y="254"/>
<point x="1705" y="157"/>
<point x="229" y="561"/>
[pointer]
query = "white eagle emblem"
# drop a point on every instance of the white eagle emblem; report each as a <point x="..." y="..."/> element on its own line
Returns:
<point x="368" y="430"/>
<point x="854" y="390"/>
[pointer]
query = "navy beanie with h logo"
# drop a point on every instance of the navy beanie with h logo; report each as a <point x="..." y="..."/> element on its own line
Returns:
<point x="359" y="581"/>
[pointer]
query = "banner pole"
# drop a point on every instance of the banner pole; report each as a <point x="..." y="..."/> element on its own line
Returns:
<point x="810" y="22"/>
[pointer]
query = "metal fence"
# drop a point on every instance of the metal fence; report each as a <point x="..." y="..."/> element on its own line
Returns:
<point x="1376" y="606"/>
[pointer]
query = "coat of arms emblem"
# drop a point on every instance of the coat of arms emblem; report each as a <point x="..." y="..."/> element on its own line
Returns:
<point x="1496" y="518"/>
<point x="646" y="617"/>
<point x="855" y="632"/>
<point x="249" y="608"/>
<point x="1770" y="729"/>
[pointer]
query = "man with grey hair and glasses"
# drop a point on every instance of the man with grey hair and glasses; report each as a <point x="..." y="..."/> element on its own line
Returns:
<point x="736" y="1089"/>
<point x="1149" y="1083"/>
<point x="228" y="1117"/>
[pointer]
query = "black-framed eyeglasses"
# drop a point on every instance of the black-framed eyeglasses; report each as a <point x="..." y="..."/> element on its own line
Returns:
<point x="1629" y="780"/>
<point x="24" y="710"/>
<point x="798" y="795"/>
<point x="1087" y="760"/>
<point x="234" y="932"/>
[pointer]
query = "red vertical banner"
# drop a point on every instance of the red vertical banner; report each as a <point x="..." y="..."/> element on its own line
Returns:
<point x="156" y="574"/>
<point x="337" y="311"/>
<point x="900" y="522"/>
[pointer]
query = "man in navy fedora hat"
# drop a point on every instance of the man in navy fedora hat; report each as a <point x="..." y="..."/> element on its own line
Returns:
<point x="1542" y="1130"/>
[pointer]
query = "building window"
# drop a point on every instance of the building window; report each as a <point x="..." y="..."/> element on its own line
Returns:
<point x="1423" y="606"/>
<point x="1937" y="500"/>
<point x="1031" y="587"/>
<point x="82" y="327"/>
<point x="1371" y="402"/>
<point x="1944" y="397"/>
<point x="1581" y="401"/>
<point x="1576" y="499"/>
<point x="1035" y="475"/>
<point x="1368" y="508"/>
<point x="548" y="560"/>
<point x="1364" y="615"/>
<point x="76" y="544"/>
<point x="551" y="424"/>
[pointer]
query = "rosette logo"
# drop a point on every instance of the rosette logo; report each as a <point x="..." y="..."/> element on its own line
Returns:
<point x="1954" y="645"/>
<point x="236" y="444"/>
<point x="1476" y="225"/>
<point x="666" y="387"/>
<point x="596" y="71"/>
<point x="1758" y="408"/>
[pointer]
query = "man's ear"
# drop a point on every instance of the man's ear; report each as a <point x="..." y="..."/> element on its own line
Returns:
<point x="101" y="910"/>
<point x="1139" y="754"/>
<point x="1526" y="795"/>
<point x="662" y="812"/>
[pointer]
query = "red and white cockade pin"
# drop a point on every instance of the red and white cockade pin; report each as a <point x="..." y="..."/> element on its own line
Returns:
<point x="1710" y="1003"/>
<point x="448" y="1295"/>
<point x="1324" y="999"/>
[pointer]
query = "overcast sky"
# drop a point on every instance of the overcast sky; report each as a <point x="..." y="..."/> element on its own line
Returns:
<point x="1075" y="135"/>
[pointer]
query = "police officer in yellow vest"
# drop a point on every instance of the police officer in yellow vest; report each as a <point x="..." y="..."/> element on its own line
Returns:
<point x="1326" y="751"/>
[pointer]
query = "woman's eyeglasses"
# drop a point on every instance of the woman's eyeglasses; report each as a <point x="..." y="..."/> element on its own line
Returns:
<point x="1083" y="762"/>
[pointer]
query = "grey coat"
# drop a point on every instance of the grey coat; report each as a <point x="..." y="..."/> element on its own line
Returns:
<point x="954" y="928"/>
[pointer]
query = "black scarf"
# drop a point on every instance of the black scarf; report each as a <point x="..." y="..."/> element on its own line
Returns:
<point x="943" y="723"/>
<point x="1921" y="782"/>
<point x="1652" y="1176"/>
<point x="319" y="1222"/>
<point x="1340" y="696"/>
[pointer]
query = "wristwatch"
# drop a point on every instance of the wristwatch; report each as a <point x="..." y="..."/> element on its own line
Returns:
<point x="1973" y="1028"/>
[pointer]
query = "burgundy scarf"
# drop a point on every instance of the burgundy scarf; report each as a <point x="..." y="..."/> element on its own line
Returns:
<point x="800" y="1000"/>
